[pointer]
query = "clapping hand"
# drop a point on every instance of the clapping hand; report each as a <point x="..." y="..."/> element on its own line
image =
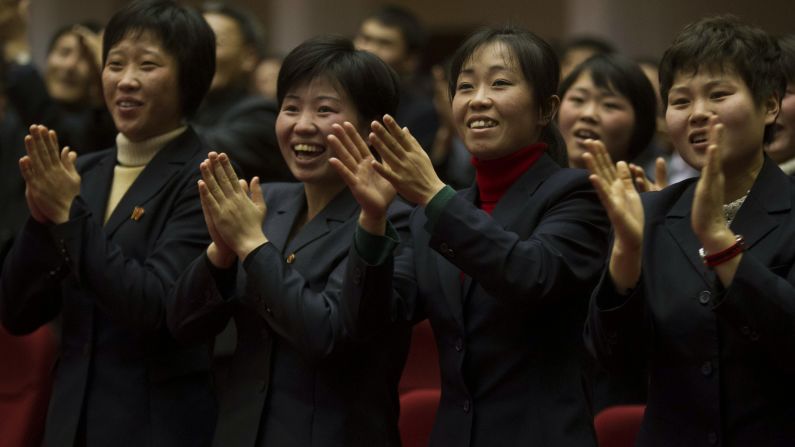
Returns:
<point x="51" y="179"/>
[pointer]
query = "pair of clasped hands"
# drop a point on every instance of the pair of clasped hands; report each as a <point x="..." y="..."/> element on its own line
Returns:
<point x="234" y="210"/>
<point x="620" y="198"/>
<point x="51" y="179"/>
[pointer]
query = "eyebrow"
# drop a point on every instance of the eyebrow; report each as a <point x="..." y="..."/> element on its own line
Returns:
<point x="708" y="85"/>
<point x="491" y="69"/>
<point x="317" y="98"/>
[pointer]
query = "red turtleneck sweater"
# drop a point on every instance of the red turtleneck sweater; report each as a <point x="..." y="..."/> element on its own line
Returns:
<point x="494" y="177"/>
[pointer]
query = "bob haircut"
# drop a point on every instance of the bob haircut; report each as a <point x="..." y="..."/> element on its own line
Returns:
<point x="623" y="76"/>
<point x="370" y="84"/>
<point x="184" y="35"/>
<point x="725" y="44"/>
<point x="540" y="67"/>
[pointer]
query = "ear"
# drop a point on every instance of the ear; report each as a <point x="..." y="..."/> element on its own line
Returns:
<point x="772" y="105"/>
<point x="548" y="110"/>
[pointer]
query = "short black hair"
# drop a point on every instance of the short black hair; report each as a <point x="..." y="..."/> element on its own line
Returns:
<point x="370" y="84"/>
<point x="540" y="67"/>
<point x="250" y="28"/>
<point x="622" y="75"/>
<point x="407" y="22"/>
<point x="184" y="34"/>
<point x="787" y="45"/>
<point x="725" y="44"/>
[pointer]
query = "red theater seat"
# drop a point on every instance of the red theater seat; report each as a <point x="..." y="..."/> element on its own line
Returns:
<point x="618" y="426"/>
<point x="422" y="365"/>
<point x="417" y="413"/>
<point x="25" y="385"/>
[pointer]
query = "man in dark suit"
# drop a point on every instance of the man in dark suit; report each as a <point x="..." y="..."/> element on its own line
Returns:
<point x="233" y="119"/>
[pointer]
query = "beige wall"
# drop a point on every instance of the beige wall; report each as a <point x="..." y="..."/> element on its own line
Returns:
<point x="638" y="27"/>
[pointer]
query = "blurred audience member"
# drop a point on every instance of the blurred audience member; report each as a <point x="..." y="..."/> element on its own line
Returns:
<point x="68" y="98"/>
<point x="266" y="75"/>
<point x="450" y="157"/>
<point x="396" y="35"/>
<point x="782" y="148"/>
<point x="232" y="118"/>
<point x="578" y="49"/>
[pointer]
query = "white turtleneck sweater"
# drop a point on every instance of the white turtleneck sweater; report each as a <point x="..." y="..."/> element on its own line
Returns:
<point x="131" y="159"/>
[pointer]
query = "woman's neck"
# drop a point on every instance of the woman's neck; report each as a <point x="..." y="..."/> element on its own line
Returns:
<point x="739" y="181"/>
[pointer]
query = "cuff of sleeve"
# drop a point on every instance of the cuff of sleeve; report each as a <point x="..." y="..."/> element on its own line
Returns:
<point x="375" y="249"/>
<point x="224" y="278"/>
<point x="247" y="262"/>
<point x="437" y="204"/>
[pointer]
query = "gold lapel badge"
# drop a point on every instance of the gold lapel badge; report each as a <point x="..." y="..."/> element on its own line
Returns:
<point x="137" y="213"/>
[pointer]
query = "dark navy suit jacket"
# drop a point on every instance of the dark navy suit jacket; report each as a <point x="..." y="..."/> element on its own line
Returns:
<point x="509" y="328"/>
<point x="298" y="376"/>
<point x="721" y="360"/>
<point x="121" y="378"/>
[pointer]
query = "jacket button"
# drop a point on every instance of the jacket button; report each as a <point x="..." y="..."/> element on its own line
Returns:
<point x="290" y="258"/>
<point x="745" y="330"/>
<point x="459" y="344"/>
<point x="754" y="336"/>
<point x="712" y="437"/>
<point x="446" y="250"/>
<point x="467" y="406"/>
<point x="704" y="297"/>
<point x="706" y="368"/>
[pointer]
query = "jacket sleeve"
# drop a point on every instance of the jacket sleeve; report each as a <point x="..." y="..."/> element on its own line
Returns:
<point x="617" y="328"/>
<point x="200" y="303"/>
<point x="312" y="321"/>
<point x="133" y="292"/>
<point x="380" y="286"/>
<point x="30" y="286"/>
<point x="563" y="254"/>
<point x="759" y="305"/>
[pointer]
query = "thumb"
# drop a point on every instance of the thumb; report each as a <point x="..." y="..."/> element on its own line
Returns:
<point x="256" y="194"/>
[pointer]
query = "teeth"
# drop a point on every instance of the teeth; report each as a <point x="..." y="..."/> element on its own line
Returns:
<point x="699" y="139"/>
<point x="309" y="148"/>
<point x="586" y="134"/>
<point x="481" y="124"/>
<point x="127" y="104"/>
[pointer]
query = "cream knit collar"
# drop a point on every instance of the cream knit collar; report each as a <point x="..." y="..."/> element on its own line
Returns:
<point x="140" y="153"/>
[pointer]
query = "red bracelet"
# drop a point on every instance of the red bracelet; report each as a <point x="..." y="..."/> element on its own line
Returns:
<point x="724" y="255"/>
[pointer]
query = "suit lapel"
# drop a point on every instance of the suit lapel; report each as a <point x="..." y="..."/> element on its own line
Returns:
<point x="757" y="216"/>
<point x="678" y="224"/>
<point x="339" y="210"/>
<point x="95" y="187"/>
<point x="170" y="160"/>
<point x="282" y="218"/>
<point x="511" y="206"/>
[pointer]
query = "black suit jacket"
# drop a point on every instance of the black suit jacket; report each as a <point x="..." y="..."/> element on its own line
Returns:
<point x="243" y="125"/>
<point x="508" y="329"/>
<point x="121" y="378"/>
<point x="721" y="361"/>
<point x="297" y="378"/>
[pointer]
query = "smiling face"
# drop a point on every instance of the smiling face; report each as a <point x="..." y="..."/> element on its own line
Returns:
<point x="69" y="75"/>
<point x="694" y="98"/>
<point x="782" y="148"/>
<point x="307" y="113"/>
<point x="493" y="108"/>
<point x="588" y="111"/>
<point x="140" y="85"/>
